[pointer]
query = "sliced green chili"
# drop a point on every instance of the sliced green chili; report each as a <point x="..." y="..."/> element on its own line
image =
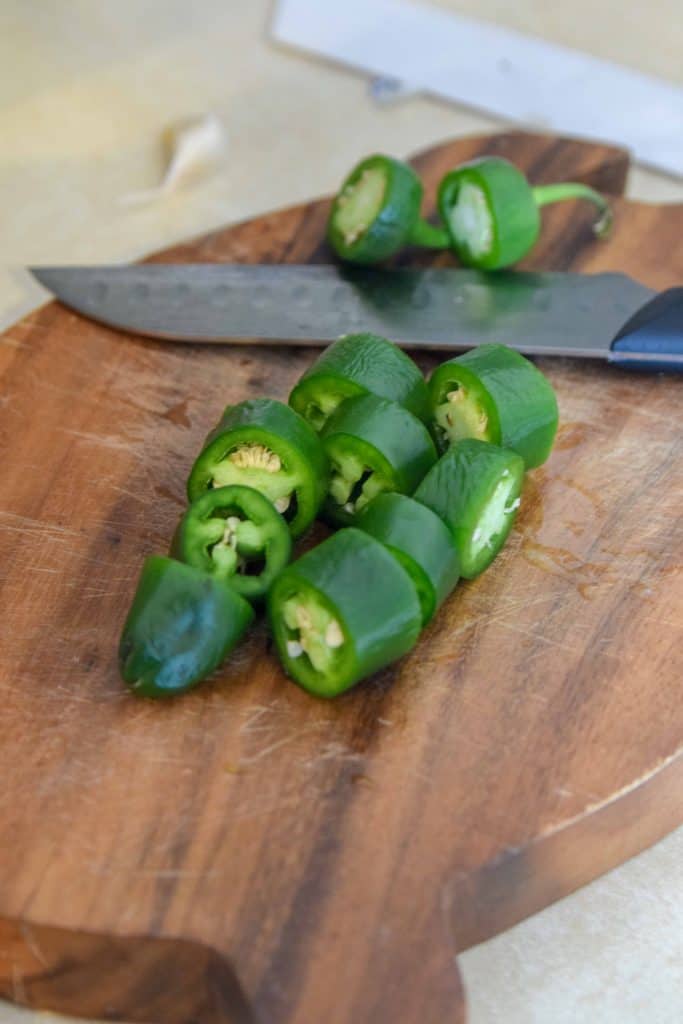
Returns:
<point x="181" y="625"/>
<point x="494" y="394"/>
<point x="266" y="445"/>
<point x="359" y="364"/>
<point x="342" y="611"/>
<point x="373" y="445"/>
<point x="475" y="488"/>
<point x="491" y="212"/>
<point x="377" y="212"/>
<point x="421" y="542"/>
<point x="235" y="534"/>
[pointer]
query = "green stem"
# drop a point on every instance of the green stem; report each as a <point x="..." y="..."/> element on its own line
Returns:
<point x="429" y="236"/>
<point x="544" y="194"/>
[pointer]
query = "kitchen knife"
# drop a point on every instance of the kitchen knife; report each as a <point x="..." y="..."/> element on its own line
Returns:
<point x="600" y="316"/>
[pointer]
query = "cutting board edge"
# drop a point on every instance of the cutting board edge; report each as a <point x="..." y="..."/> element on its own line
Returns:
<point x="484" y="903"/>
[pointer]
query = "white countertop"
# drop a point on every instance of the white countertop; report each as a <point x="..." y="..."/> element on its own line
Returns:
<point x="86" y="89"/>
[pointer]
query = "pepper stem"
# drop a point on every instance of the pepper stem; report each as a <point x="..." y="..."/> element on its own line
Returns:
<point x="429" y="236"/>
<point x="544" y="194"/>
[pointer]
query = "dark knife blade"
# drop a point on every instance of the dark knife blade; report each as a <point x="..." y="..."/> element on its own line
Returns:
<point x="538" y="313"/>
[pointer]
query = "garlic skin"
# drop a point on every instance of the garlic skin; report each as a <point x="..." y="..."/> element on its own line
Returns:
<point x="193" y="146"/>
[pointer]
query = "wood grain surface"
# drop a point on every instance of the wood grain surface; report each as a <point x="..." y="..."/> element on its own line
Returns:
<point x="249" y="853"/>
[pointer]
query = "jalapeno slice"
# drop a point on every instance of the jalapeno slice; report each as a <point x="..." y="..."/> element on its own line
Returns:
<point x="263" y="444"/>
<point x="235" y="534"/>
<point x="342" y="611"/>
<point x="475" y="488"/>
<point x="492" y="393"/>
<point x="377" y="212"/>
<point x="373" y="445"/>
<point x="420" y="541"/>
<point x="491" y="212"/>
<point x="359" y="364"/>
<point x="181" y="625"/>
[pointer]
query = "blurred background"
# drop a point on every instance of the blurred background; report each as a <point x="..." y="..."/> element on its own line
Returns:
<point x="87" y="89"/>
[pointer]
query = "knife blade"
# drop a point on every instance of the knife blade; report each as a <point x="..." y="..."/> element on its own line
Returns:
<point x="562" y="314"/>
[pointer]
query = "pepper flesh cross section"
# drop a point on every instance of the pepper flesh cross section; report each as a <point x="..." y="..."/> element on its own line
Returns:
<point x="460" y="416"/>
<point x="314" y="632"/>
<point x="254" y="465"/>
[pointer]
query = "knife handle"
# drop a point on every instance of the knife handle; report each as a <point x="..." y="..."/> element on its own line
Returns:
<point x="652" y="339"/>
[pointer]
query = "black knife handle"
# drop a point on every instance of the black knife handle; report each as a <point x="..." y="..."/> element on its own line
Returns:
<point x="652" y="339"/>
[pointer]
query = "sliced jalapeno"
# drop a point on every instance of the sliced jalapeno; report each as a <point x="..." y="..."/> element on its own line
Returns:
<point x="373" y="445"/>
<point x="181" y="625"/>
<point x="494" y="394"/>
<point x="342" y="611"/>
<point x="421" y="542"/>
<point x="491" y="212"/>
<point x="266" y="445"/>
<point x="359" y="364"/>
<point x="475" y="488"/>
<point x="377" y="212"/>
<point x="235" y="534"/>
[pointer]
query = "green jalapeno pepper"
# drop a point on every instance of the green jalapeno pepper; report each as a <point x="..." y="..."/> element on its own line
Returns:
<point x="491" y="212"/>
<point x="235" y="534"/>
<point x="181" y="625"/>
<point x="373" y="445"/>
<point x="377" y="212"/>
<point x="342" y="611"/>
<point x="266" y="445"/>
<point x="359" y="364"/>
<point x="420" y="541"/>
<point x="475" y="488"/>
<point x="494" y="394"/>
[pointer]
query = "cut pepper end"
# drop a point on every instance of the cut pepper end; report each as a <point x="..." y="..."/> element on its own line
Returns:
<point x="258" y="467"/>
<point x="471" y="223"/>
<point x="313" y="634"/>
<point x="461" y="416"/>
<point x="359" y="203"/>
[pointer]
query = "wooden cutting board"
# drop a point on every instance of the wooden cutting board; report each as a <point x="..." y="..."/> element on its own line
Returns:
<point x="249" y="853"/>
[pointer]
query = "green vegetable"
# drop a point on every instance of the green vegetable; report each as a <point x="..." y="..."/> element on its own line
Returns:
<point x="181" y="625"/>
<point x="475" y="488"/>
<point x="494" y="394"/>
<point x="373" y="445"/>
<point x="492" y="214"/>
<point x="264" y="444"/>
<point x="421" y="542"/>
<point x="359" y="364"/>
<point x="235" y="534"/>
<point x="377" y="212"/>
<point x="342" y="611"/>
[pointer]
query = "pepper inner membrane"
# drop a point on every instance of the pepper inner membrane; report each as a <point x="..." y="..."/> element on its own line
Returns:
<point x="470" y="220"/>
<point x="235" y="543"/>
<point x="461" y="416"/>
<point x="492" y="521"/>
<point x="321" y="406"/>
<point x="312" y="631"/>
<point x="360" y="203"/>
<point x="352" y="482"/>
<point x="255" y="465"/>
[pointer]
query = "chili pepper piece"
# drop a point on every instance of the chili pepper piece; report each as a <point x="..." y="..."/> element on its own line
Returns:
<point x="421" y="542"/>
<point x="493" y="393"/>
<point x="475" y="488"/>
<point x="359" y="364"/>
<point x="377" y="212"/>
<point x="235" y="534"/>
<point x="373" y="445"/>
<point x="342" y="611"/>
<point x="491" y="212"/>
<point x="181" y="625"/>
<point x="263" y="444"/>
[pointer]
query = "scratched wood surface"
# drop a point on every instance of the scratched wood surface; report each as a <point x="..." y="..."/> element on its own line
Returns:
<point x="249" y="853"/>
